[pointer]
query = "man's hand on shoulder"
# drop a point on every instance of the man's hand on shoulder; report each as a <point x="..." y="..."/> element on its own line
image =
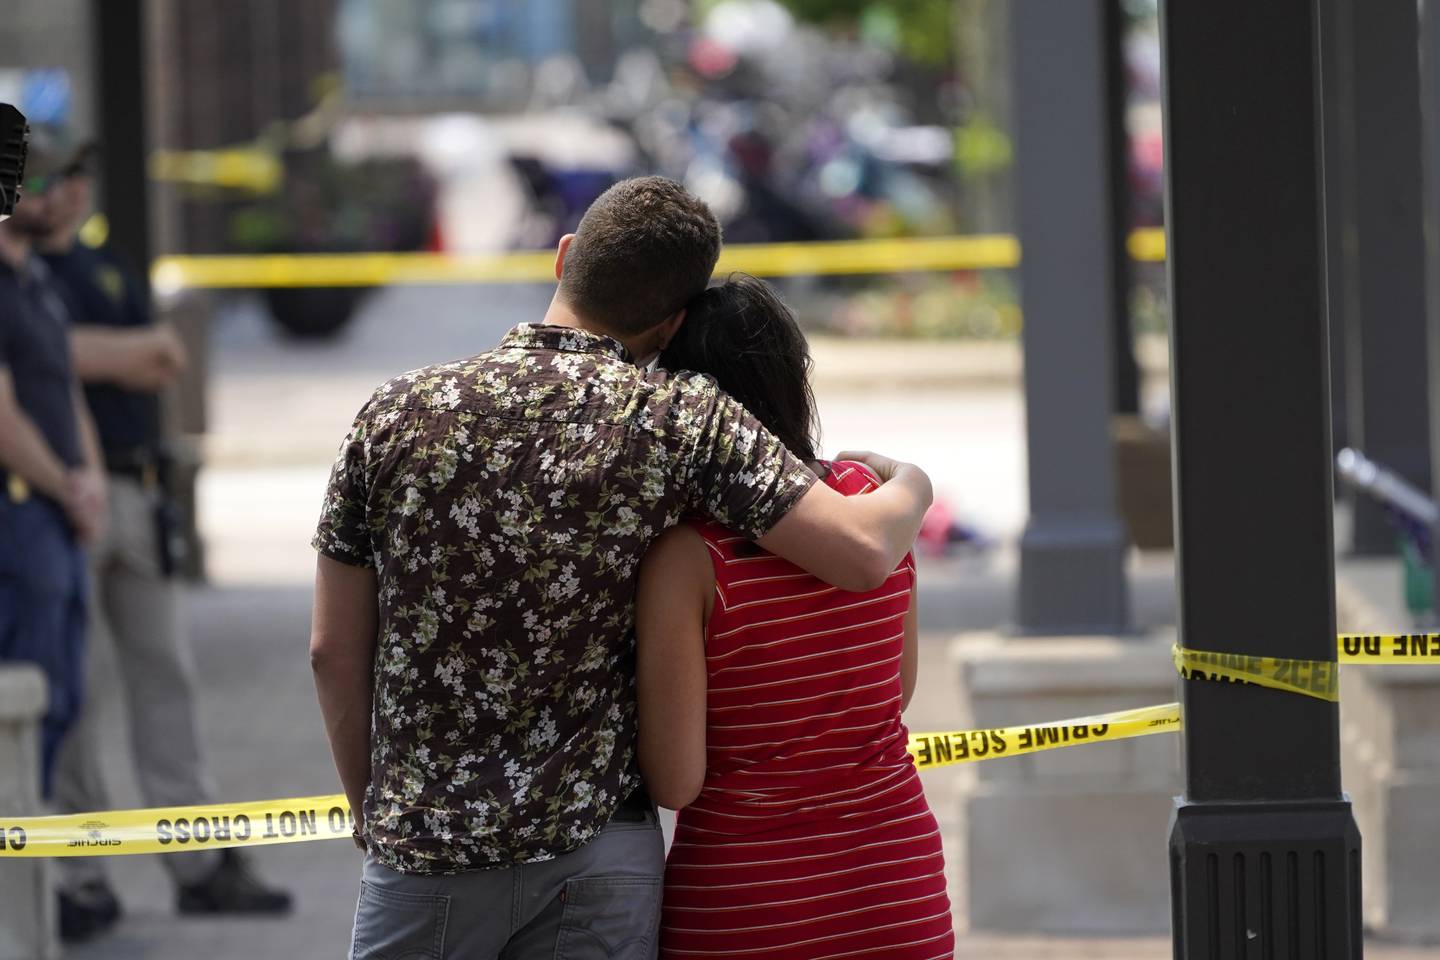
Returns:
<point x="855" y="543"/>
<point x="882" y="466"/>
<point x="887" y="470"/>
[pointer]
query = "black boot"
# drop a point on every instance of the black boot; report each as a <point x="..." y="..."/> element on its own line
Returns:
<point x="232" y="888"/>
<point x="87" y="911"/>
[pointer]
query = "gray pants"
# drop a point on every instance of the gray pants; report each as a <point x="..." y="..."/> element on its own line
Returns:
<point x="600" y="902"/>
<point x="136" y="642"/>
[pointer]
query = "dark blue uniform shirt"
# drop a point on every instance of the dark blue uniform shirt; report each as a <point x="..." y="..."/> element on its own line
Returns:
<point x="35" y="348"/>
<point x="100" y="292"/>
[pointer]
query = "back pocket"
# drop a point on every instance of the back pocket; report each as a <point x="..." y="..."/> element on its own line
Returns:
<point x="609" y="918"/>
<point x="399" y="926"/>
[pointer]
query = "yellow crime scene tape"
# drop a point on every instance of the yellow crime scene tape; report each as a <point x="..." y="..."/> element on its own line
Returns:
<point x="264" y="822"/>
<point x="177" y="829"/>
<point x="970" y="746"/>
<point x="1380" y="648"/>
<point x="1310" y="678"/>
<point x="820" y="258"/>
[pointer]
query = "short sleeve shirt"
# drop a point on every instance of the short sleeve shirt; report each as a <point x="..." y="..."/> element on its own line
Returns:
<point x="505" y="502"/>
<point x="35" y="348"/>
<point x="101" y="293"/>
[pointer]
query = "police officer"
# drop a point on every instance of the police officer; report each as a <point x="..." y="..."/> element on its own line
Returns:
<point x="53" y="499"/>
<point x="124" y="359"/>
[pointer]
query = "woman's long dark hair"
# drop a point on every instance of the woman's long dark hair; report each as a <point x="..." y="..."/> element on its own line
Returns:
<point x="742" y="334"/>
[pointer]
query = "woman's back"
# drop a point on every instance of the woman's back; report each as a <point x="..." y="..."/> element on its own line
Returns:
<point x="811" y="836"/>
<point x="804" y="683"/>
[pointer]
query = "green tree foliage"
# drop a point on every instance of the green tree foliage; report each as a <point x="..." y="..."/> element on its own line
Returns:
<point x="921" y="30"/>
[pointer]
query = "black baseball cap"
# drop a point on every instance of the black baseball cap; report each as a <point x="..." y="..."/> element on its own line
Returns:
<point x="53" y="159"/>
<point x="44" y="162"/>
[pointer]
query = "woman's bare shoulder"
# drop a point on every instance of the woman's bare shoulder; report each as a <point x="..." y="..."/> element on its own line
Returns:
<point x="679" y="548"/>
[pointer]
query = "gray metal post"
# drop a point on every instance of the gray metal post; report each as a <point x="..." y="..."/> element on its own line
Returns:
<point x="1370" y="54"/>
<point x="1072" y="554"/>
<point x="1265" y="854"/>
<point x="1430" y="114"/>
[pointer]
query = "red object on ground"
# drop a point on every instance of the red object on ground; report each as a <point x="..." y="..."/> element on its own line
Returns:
<point x="935" y="528"/>
<point x="811" y="838"/>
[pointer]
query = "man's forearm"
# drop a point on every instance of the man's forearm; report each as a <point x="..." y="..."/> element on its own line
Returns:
<point x="346" y="698"/>
<point x="89" y="436"/>
<point x="853" y="542"/>
<point x="136" y="358"/>
<point x="24" y="452"/>
<point x="100" y="354"/>
<point x="342" y="655"/>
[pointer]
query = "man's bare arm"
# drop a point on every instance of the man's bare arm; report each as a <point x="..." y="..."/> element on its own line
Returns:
<point x="143" y="358"/>
<point x="24" y="450"/>
<point x="86" y="504"/>
<point x="854" y="542"/>
<point x="342" y="655"/>
<point x="90" y="452"/>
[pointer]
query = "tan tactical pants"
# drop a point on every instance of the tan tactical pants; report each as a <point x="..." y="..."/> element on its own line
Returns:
<point x="136" y="644"/>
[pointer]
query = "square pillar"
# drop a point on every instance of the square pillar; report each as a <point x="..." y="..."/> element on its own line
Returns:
<point x="1063" y="842"/>
<point x="1370" y="57"/>
<point x="1072" y="553"/>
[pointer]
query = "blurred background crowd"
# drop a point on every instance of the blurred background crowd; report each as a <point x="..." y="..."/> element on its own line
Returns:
<point x="481" y="125"/>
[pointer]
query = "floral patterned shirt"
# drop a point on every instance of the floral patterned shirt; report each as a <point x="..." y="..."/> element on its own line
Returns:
<point x="505" y="502"/>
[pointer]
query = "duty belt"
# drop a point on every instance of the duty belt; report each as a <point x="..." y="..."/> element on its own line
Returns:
<point x="140" y="465"/>
<point x="148" y="475"/>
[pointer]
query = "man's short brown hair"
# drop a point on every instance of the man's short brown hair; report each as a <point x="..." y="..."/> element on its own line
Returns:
<point x="643" y="250"/>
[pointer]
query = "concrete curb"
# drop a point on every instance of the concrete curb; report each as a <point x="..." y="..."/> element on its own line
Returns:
<point x="861" y="363"/>
<point x="23" y="695"/>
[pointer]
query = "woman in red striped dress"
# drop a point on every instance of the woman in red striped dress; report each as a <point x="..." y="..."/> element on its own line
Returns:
<point x="770" y="707"/>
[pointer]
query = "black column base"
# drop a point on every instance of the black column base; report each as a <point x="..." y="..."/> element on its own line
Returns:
<point x="1263" y="880"/>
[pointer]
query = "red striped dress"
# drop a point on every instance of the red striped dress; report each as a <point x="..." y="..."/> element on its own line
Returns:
<point x="811" y="839"/>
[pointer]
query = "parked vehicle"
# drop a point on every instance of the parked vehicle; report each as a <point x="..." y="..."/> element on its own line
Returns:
<point x="329" y="206"/>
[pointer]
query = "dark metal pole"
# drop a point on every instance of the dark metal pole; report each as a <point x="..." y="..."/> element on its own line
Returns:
<point x="119" y="38"/>
<point x="1336" y="70"/>
<point x="1117" y="96"/>
<point x="1264" y="850"/>
<point x="1430" y="113"/>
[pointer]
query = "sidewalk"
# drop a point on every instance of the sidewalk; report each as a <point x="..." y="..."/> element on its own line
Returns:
<point x="265" y="740"/>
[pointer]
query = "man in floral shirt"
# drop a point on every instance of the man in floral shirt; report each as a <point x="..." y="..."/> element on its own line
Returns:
<point x="473" y="635"/>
